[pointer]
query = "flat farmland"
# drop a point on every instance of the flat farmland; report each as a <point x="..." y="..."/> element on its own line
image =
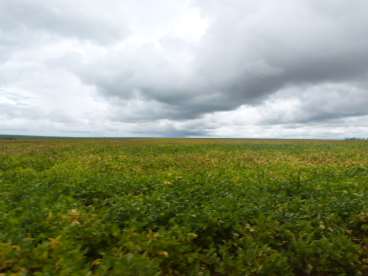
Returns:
<point x="183" y="207"/>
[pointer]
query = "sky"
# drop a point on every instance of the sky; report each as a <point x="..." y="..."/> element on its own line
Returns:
<point x="188" y="68"/>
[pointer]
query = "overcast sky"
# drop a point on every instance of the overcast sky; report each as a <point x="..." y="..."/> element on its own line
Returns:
<point x="235" y="68"/>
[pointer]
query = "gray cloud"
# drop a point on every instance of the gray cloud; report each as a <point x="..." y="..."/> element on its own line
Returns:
<point x="188" y="68"/>
<point x="249" y="52"/>
<point x="61" y="18"/>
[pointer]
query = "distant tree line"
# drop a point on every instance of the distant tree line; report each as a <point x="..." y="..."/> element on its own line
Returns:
<point x="355" y="139"/>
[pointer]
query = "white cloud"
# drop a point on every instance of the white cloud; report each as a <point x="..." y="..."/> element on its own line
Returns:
<point x="197" y="68"/>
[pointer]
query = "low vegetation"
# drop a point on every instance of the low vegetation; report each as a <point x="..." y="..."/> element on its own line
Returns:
<point x="183" y="207"/>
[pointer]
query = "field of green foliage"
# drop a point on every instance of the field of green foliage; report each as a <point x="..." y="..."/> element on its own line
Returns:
<point x="183" y="207"/>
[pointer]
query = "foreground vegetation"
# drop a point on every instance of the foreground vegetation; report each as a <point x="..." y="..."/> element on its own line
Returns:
<point x="183" y="207"/>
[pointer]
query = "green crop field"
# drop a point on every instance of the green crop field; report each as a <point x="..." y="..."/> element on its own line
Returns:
<point x="183" y="207"/>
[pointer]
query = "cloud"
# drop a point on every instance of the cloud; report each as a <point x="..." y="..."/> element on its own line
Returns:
<point x="249" y="52"/>
<point x="196" y="68"/>
<point x="62" y="18"/>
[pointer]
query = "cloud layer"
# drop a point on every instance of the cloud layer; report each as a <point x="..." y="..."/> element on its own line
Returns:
<point x="184" y="68"/>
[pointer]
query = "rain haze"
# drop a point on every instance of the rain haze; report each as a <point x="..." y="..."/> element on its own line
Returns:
<point x="237" y="68"/>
